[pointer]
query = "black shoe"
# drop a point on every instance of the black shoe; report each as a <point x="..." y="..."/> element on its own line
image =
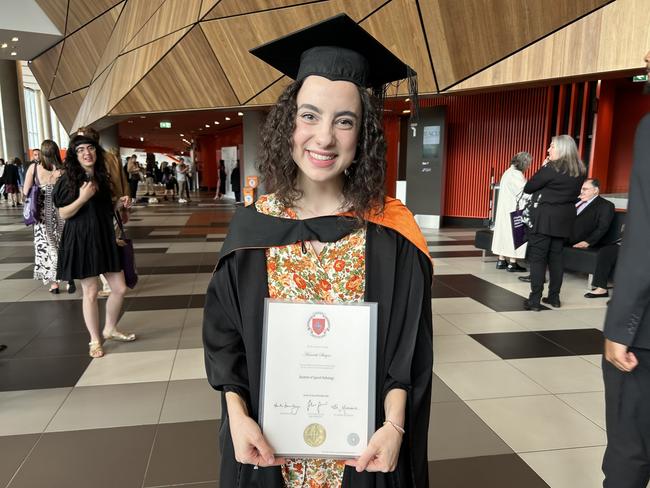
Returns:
<point x="553" y="302"/>
<point x="535" y="307"/>
<point x="54" y="290"/>
<point x="502" y="264"/>
<point x="515" y="268"/>
<point x="597" y="295"/>
<point x="525" y="279"/>
<point x="71" y="286"/>
<point x="3" y="347"/>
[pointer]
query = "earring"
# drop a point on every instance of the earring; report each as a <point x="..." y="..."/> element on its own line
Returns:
<point x="346" y="172"/>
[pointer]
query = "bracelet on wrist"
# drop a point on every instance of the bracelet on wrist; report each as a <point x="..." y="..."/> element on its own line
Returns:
<point x="395" y="426"/>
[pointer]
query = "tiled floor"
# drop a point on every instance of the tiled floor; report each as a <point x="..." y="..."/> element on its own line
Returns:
<point x="517" y="396"/>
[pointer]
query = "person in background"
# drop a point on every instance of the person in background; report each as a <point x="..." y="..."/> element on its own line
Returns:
<point x="626" y="363"/>
<point x="47" y="231"/>
<point x="2" y="179"/>
<point x="553" y="191"/>
<point x="511" y="191"/>
<point x="88" y="246"/>
<point x="149" y="174"/>
<point x="133" y="168"/>
<point x="235" y="182"/>
<point x="222" y="178"/>
<point x="11" y="180"/>
<point x="181" y="177"/>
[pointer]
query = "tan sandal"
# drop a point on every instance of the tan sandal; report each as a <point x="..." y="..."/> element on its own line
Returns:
<point x="119" y="336"/>
<point x="95" y="349"/>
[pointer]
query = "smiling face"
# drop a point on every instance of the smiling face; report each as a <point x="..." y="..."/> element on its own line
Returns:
<point x="86" y="155"/>
<point x="328" y="118"/>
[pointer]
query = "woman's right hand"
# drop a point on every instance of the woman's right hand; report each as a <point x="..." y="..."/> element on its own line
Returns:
<point x="87" y="190"/>
<point x="249" y="443"/>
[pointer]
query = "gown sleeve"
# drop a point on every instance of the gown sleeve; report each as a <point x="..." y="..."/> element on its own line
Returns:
<point x="225" y="355"/>
<point x="62" y="195"/>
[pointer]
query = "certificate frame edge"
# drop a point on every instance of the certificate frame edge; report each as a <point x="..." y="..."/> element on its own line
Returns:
<point x="372" y="370"/>
<point x="267" y="302"/>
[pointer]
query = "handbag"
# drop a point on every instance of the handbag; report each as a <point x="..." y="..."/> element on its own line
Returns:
<point x="127" y="255"/>
<point x="30" y="208"/>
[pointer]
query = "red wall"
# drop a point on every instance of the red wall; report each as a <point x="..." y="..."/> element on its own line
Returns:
<point x="206" y="154"/>
<point x="392" y="134"/>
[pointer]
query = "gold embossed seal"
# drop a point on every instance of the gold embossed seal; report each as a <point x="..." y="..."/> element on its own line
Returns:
<point x="314" y="435"/>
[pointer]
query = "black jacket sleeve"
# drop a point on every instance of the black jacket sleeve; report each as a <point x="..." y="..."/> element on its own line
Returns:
<point x="632" y="294"/>
<point x="539" y="180"/>
<point x="604" y="219"/>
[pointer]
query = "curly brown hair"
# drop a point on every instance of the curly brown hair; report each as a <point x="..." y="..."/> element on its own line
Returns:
<point x="363" y="188"/>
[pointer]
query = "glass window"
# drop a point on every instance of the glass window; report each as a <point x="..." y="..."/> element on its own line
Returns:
<point x="31" y="114"/>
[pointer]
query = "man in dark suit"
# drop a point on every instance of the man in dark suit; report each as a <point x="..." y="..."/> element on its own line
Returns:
<point x="626" y="368"/>
<point x="593" y="220"/>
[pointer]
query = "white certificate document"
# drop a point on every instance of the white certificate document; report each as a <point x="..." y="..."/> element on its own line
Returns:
<point x="317" y="395"/>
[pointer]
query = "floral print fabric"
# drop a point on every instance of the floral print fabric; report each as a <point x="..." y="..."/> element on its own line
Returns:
<point x="336" y="275"/>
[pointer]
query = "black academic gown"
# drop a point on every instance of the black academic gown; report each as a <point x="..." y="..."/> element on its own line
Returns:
<point x="398" y="278"/>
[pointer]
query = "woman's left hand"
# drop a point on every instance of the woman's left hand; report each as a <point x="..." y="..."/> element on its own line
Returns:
<point x="382" y="452"/>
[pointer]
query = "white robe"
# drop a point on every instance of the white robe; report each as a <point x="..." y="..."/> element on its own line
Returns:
<point x="510" y="188"/>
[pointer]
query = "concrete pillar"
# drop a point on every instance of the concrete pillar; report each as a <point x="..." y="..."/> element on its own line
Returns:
<point x="45" y="114"/>
<point x="10" y="100"/>
<point x="253" y="122"/>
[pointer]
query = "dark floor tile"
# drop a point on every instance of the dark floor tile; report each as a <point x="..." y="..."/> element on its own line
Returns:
<point x="183" y="269"/>
<point x="460" y="242"/>
<point x="150" y="250"/>
<point x="36" y="373"/>
<point x="15" y="341"/>
<point x="455" y="254"/>
<point x="578" y="341"/>
<point x="156" y="303"/>
<point x="197" y="301"/>
<point x="50" y="346"/>
<point x="24" y="274"/>
<point x="99" y="458"/>
<point x="489" y="294"/>
<point x="441" y="393"/>
<point x="440" y="290"/>
<point x="502" y="471"/>
<point x="519" y="345"/>
<point x="184" y="452"/>
<point x="17" y="259"/>
<point x="13" y="449"/>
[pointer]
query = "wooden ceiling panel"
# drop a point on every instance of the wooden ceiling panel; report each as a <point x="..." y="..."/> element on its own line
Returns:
<point x="593" y="44"/>
<point x="206" y="5"/>
<point x="189" y="77"/>
<point x="67" y="106"/>
<point x="231" y="38"/>
<point x="227" y="8"/>
<point x="81" y="53"/>
<point x="44" y="67"/>
<point x="136" y="12"/>
<point x="271" y="94"/>
<point x="56" y="10"/>
<point x="397" y="26"/>
<point x="465" y="37"/>
<point x="171" y="16"/>
<point x="95" y="104"/>
<point x="80" y="12"/>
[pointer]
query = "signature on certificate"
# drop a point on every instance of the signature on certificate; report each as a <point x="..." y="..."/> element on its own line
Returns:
<point x="343" y="409"/>
<point x="287" y="408"/>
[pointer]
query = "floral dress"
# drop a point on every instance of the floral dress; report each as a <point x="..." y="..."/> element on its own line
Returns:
<point x="336" y="275"/>
<point x="47" y="235"/>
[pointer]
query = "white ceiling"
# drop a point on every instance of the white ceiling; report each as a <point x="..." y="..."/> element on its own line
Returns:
<point x="25" y="20"/>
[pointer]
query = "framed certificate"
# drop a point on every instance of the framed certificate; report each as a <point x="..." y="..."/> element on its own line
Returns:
<point x="317" y="394"/>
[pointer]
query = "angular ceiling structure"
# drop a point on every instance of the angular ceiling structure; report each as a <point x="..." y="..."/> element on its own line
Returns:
<point x="123" y="57"/>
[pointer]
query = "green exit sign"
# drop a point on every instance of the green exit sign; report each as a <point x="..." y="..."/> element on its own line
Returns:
<point x="165" y="124"/>
<point x="640" y="78"/>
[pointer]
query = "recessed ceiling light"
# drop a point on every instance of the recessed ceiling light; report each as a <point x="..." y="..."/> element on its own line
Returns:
<point x="406" y="111"/>
<point x="207" y="125"/>
<point x="130" y="121"/>
<point x="216" y="123"/>
<point x="241" y="114"/>
<point x="182" y="135"/>
<point x="407" y="99"/>
<point x="227" y="118"/>
<point x="14" y="39"/>
<point x="4" y="45"/>
<point x="14" y="53"/>
<point x="141" y="139"/>
<point x="143" y="116"/>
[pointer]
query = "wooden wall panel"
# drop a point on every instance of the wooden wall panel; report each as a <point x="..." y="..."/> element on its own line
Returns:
<point x="227" y="8"/>
<point x="81" y="53"/>
<point x="206" y="6"/>
<point x="44" y="67"/>
<point x="272" y="93"/>
<point x="594" y="44"/>
<point x="56" y="10"/>
<point x="171" y="16"/>
<point x="135" y="14"/>
<point x="465" y="37"/>
<point x="95" y="104"/>
<point x="180" y="79"/>
<point x="397" y="26"/>
<point x="80" y="12"/>
<point x="231" y="38"/>
<point x="67" y="106"/>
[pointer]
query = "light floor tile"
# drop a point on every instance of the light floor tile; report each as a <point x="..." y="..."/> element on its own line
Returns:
<point x="190" y="247"/>
<point x="478" y="323"/>
<point x="164" y="233"/>
<point x="167" y="284"/>
<point x="487" y="379"/>
<point x="460" y="348"/>
<point x="14" y="290"/>
<point x="568" y="468"/>
<point x="190" y="400"/>
<point x="443" y="306"/>
<point x="546" y="320"/>
<point x="451" y="248"/>
<point x="596" y="359"/>
<point x="535" y="423"/>
<point x="592" y="316"/>
<point x="29" y="411"/>
<point x="189" y="365"/>
<point x="591" y="405"/>
<point x="129" y="367"/>
<point x="201" y="283"/>
<point x="442" y="326"/>
<point x="191" y="338"/>
<point x="562" y="374"/>
<point x="194" y="318"/>
<point x="97" y="407"/>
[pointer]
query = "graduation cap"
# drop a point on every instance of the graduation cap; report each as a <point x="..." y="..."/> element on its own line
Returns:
<point x="337" y="49"/>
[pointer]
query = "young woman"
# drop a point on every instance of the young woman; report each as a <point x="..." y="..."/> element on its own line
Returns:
<point x="47" y="232"/>
<point x="88" y="247"/>
<point x="326" y="233"/>
<point x="554" y="190"/>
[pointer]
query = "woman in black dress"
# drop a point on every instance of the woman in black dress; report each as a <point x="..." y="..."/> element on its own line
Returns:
<point x="554" y="189"/>
<point x="88" y="247"/>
